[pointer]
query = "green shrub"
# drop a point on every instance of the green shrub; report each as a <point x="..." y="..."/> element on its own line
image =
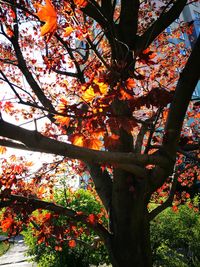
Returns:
<point x="175" y="238"/>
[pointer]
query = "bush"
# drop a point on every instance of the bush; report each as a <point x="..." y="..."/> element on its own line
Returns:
<point x="175" y="238"/>
<point x="80" y="256"/>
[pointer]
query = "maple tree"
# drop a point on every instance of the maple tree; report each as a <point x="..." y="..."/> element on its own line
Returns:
<point x="96" y="79"/>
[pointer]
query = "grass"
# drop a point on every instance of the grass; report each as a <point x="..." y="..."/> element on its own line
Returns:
<point x="4" y="246"/>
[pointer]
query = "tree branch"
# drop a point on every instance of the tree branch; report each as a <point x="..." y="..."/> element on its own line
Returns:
<point x="128" y="21"/>
<point x="159" y="25"/>
<point x="35" y="141"/>
<point x="103" y="184"/>
<point x="106" y="8"/>
<point x="40" y="204"/>
<point x="29" y="77"/>
<point x="139" y="171"/>
<point x="152" y="130"/>
<point x="183" y="94"/>
<point x="93" y="47"/>
<point x="94" y="11"/>
<point x="69" y="51"/>
<point x="167" y="203"/>
<point x="104" y="19"/>
<point x="12" y="144"/>
<point x="66" y="73"/>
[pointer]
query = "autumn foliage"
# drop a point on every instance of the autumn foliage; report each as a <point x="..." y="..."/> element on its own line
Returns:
<point x="97" y="85"/>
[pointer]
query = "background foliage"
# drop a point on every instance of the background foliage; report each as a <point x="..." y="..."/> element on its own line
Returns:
<point x="175" y="238"/>
<point x="86" y="250"/>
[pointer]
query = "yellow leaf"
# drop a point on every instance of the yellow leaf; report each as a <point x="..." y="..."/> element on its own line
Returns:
<point x="47" y="14"/>
<point x="103" y="87"/>
<point x="13" y="158"/>
<point x="89" y="94"/>
<point x="62" y="120"/>
<point x="78" y="140"/>
<point x="41" y="190"/>
<point x="29" y="163"/>
<point x="68" y="31"/>
<point x="90" y="142"/>
<point x="3" y="149"/>
<point x="62" y="105"/>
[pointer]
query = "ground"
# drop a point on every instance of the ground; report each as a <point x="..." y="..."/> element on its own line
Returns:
<point x="15" y="256"/>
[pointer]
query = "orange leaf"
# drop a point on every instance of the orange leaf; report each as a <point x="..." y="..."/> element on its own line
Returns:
<point x="146" y="51"/>
<point x="6" y="224"/>
<point x="130" y="83"/>
<point x="98" y="133"/>
<point x="91" y="218"/>
<point x="96" y="89"/>
<point x="62" y="120"/>
<point x="47" y="216"/>
<point x="81" y="3"/>
<point x="41" y="190"/>
<point x="3" y="149"/>
<point x="197" y="116"/>
<point x="58" y="248"/>
<point x="124" y="95"/>
<point x="9" y="31"/>
<point x="187" y="195"/>
<point x="12" y="14"/>
<point x="47" y="14"/>
<point x="72" y="243"/>
<point x="93" y="143"/>
<point x="62" y="105"/>
<point x="175" y="208"/>
<point x="151" y="56"/>
<point x="29" y="163"/>
<point x="8" y="107"/>
<point x="90" y="142"/>
<point x="165" y="114"/>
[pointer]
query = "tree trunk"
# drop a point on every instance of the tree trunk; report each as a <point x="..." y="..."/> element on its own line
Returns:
<point x="132" y="248"/>
<point x="130" y="244"/>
